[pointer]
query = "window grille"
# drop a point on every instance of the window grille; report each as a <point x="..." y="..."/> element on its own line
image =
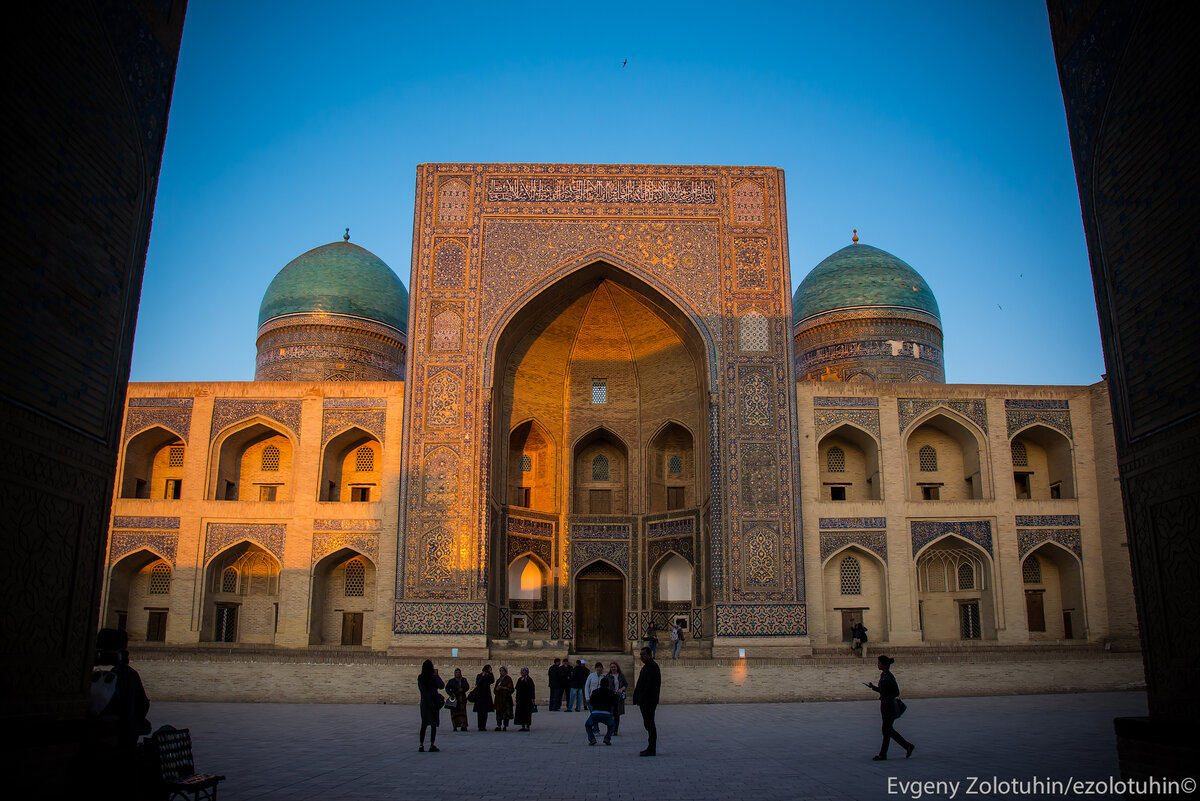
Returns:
<point x="356" y="579"/>
<point x="969" y="617"/>
<point x="1032" y="570"/>
<point x="526" y="463"/>
<point x="160" y="579"/>
<point x="600" y="468"/>
<point x="229" y="580"/>
<point x="175" y="456"/>
<point x="364" y="460"/>
<point x="927" y="457"/>
<point x="835" y="460"/>
<point x="966" y="576"/>
<point x="675" y="465"/>
<point x="270" y="459"/>
<point x="851" y="575"/>
<point x="1020" y="456"/>
<point x="599" y="390"/>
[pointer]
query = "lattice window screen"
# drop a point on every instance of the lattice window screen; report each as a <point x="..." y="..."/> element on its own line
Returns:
<point x="675" y="465"/>
<point x="526" y="463"/>
<point x="927" y="457"/>
<point x="599" y="390"/>
<point x="364" y="460"/>
<point x="1032" y="570"/>
<point x="229" y="580"/>
<point x="270" y="459"/>
<point x="600" y="468"/>
<point x="835" y="460"/>
<point x="356" y="579"/>
<point x="160" y="579"/>
<point x="1020" y="456"/>
<point x="851" y="575"/>
<point x="175" y="456"/>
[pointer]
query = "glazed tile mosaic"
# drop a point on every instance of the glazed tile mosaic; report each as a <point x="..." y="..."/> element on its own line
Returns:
<point x="926" y="531"/>
<point x="1030" y="538"/>
<point x="851" y="522"/>
<point x="973" y="409"/>
<point x="227" y="411"/>
<point x="127" y="542"/>
<point x="134" y="521"/>
<point x="268" y="536"/>
<point x="761" y="620"/>
<point x="873" y="541"/>
<point x="439" y="618"/>
<point x="325" y="543"/>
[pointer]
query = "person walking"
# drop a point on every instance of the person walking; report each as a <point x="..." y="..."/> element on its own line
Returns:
<point x="483" y="696"/>
<point x="504" y="699"/>
<point x="645" y="697"/>
<point x="618" y="684"/>
<point x="676" y="640"/>
<point x="457" y="688"/>
<point x="890" y="708"/>
<point x="555" y="687"/>
<point x="524" y="696"/>
<point x="579" y="677"/>
<point x="428" y="684"/>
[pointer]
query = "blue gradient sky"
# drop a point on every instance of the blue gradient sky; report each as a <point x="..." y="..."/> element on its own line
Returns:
<point x="938" y="131"/>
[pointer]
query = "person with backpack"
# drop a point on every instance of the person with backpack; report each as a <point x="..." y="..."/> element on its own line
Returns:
<point x="676" y="640"/>
<point x="858" y="636"/>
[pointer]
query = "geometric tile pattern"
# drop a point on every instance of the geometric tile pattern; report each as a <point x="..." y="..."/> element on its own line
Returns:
<point x="355" y="403"/>
<point x="1058" y="419"/>
<point x="846" y="403"/>
<point x="1034" y="521"/>
<point x="761" y="620"/>
<point x="874" y="541"/>
<point x="826" y="419"/>
<point x="661" y="547"/>
<point x="325" y="543"/>
<point x="134" y="521"/>
<point x="1030" y="538"/>
<point x="679" y="527"/>
<point x="327" y="524"/>
<point x="175" y="419"/>
<point x="373" y="421"/>
<point x="825" y="523"/>
<point x="599" y="531"/>
<point x="268" y="536"/>
<point x="974" y="410"/>
<point x="126" y="542"/>
<point x="976" y="531"/>
<point x="440" y="618"/>
<point x="230" y="410"/>
<point x="539" y="547"/>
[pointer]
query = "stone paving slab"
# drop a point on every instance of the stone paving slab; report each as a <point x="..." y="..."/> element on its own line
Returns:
<point x="757" y="752"/>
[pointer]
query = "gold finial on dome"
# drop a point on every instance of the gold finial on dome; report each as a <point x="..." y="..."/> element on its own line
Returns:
<point x="347" y="236"/>
<point x="853" y="239"/>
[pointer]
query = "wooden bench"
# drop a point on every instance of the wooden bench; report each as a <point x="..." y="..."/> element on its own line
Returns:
<point x="171" y="750"/>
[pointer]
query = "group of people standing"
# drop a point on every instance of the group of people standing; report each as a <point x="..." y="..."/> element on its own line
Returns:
<point x="603" y="694"/>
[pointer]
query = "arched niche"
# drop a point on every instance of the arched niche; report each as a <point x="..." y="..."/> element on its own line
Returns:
<point x="673" y="579"/>
<point x="671" y="469"/>
<point x="252" y="462"/>
<point x="600" y="607"/>
<point x="855" y="592"/>
<point x="1043" y="464"/>
<point x="153" y="465"/>
<point x="527" y="578"/>
<point x="350" y="467"/>
<point x="600" y="483"/>
<point x="241" y="596"/>
<point x="139" y="596"/>
<point x="959" y="471"/>
<point x="1053" y="581"/>
<point x="954" y="591"/>
<point x="848" y="463"/>
<point x="343" y="599"/>
<point x="532" y="468"/>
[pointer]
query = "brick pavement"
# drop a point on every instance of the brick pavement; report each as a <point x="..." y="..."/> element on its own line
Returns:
<point x="726" y="751"/>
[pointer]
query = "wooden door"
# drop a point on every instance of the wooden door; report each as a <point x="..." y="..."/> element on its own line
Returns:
<point x="1035" y="610"/>
<point x="599" y="609"/>
<point x="352" y="627"/>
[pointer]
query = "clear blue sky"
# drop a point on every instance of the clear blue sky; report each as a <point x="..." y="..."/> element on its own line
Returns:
<point x="935" y="129"/>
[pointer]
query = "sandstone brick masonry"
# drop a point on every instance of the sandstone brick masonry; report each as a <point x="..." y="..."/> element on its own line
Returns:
<point x="343" y="678"/>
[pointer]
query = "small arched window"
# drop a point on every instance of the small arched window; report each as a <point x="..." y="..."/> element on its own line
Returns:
<point x="364" y="460"/>
<point x="927" y="458"/>
<point x="851" y="576"/>
<point x="835" y="460"/>
<point x="1032" y="570"/>
<point x="356" y="579"/>
<point x="270" y="459"/>
<point x="160" y="579"/>
<point x="229" y="580"/>
<point x="1020" y="456"/>
<point x="675" y="465"/>
<point x="526" y="463"/>
<point x="600" y="468"/>
<point x="966" y="576"/>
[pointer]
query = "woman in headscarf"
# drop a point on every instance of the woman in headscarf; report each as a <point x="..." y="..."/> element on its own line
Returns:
<point x="483" y="696"/>
<point x="428" y="684"/>
<point x="504" y="699"/>
<point x="457" y="688"/>
<point x="524" y="696"/>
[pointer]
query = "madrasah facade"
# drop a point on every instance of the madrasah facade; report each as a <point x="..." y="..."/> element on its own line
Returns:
<point x="599" y="406"/>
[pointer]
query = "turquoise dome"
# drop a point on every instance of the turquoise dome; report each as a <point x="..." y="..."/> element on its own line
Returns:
<point x="338" y="278"/>
<point x="861" y="275"/>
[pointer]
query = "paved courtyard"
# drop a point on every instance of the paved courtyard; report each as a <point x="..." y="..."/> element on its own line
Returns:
<point x="729" y="751"/>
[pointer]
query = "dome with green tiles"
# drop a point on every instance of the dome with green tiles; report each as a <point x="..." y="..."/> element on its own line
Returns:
<point x="337" y="279"/>
<point x="861" y="275"/>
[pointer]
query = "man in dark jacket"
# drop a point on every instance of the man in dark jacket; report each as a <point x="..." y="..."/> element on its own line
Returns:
<point x="579" y="678"/>
<point x="564" y="684"/>
<point x="645" y="695"/>
<point x="600" y="703"/>
<point x="555" y="689"/>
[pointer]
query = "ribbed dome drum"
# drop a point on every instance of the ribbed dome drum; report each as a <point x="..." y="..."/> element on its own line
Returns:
<point x="864" y="315"/>
<point x="335" y="313"/>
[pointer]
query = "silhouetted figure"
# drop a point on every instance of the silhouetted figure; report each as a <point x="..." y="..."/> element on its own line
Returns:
<point x="428" y="684"/>
<point x="457" y="688"/>
<point x="645" y="696"/>
<point x="889" y="699"/>
<point x="523" y="716"/>
<point x="555" y="688"/>
<point x="117" y="694"/>
<point x="504" y="699"/>
<point x="483" y="696"/>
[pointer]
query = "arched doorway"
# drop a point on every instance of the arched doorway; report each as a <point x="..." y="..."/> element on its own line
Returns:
<point x="600" y="608"/>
